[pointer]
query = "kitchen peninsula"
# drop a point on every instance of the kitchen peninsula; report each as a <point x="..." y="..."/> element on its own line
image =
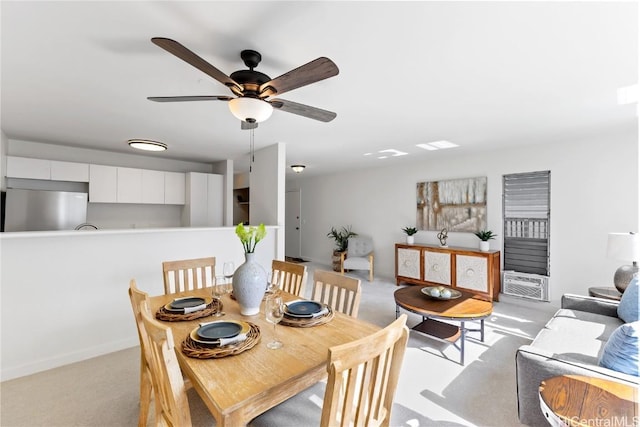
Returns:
<point x="49" y="280"/>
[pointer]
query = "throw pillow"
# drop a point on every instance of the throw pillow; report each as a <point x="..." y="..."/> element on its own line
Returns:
<point x="620" y="352"/>
<point x="629" y="308"/>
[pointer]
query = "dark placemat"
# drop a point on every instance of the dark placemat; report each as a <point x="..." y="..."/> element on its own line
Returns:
<point x="212" y="308"/>
<point x="202" y="351"/>
<point x="307" y="322"/>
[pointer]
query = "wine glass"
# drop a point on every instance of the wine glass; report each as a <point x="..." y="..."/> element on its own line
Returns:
<point x="219" y="289"/>
<point x="272" y="284"/>
<point x="228" y="268"/>
<point x="274" y="312"/>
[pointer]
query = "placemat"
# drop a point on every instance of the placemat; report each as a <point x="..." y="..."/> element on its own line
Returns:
<point x="212" y="308"/>
<point x="200" y="351"/>
<point x="307" y="322"/>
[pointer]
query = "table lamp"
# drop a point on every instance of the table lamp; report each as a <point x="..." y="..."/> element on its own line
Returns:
<point x="624" y="246"/>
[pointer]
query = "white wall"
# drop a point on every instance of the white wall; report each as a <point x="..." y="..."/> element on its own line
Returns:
<point x="64" y="298"/>
<point x="267" y="189"/>
<point x="594" y="191"/>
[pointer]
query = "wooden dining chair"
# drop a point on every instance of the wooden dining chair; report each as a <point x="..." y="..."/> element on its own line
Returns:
<point x="289" y="276"/>
<point x="137" y="297"/>
<point x="172" y="404"/>
<point x="342" y="293"/>
<point x="363" y="376"/>
<point x="188" y="274"/>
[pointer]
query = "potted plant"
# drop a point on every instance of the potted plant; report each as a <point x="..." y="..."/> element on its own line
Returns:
<point x="249" y="280"/>
<point x="410" y="231"/>
<point x="485" y="236"/>
<point x="341" y="238"/>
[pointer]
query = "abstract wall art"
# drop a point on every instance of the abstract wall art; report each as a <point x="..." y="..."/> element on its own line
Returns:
<point x="455" y="204"/>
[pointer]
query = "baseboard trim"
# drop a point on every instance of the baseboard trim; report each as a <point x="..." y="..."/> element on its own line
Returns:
<point x="66" y="359"/>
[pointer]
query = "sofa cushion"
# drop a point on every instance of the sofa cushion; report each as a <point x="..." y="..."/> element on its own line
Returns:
<point x="584" y="324"/>
<point x="569" y="346"/>
<point x="629" y="308"/>
<point x="620" y="352"/>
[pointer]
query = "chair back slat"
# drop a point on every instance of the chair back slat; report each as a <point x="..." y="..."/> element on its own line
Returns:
<point x="188" y="274"/>
<point x="363" y="376"/>
<point x="289" y="276"/>
<point x="342" y="293"/>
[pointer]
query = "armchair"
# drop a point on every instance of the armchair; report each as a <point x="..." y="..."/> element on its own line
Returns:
<point x="358" y="256"/>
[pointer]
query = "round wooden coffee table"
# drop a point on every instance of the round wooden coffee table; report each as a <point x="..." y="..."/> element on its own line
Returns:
<point x="469" y="307"/>
<point x="580" y="401"/>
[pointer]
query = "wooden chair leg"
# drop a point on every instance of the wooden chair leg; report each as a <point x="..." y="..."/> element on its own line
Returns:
<point x="146" y="388"/>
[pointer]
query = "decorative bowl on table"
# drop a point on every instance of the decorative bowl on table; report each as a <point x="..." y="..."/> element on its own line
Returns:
<point x="441" y="292"/>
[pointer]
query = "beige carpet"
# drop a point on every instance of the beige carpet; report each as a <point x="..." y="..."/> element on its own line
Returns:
<point x="433" y="390"/>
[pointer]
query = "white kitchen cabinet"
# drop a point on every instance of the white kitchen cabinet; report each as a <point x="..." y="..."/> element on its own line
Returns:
<point x="174" y="188"/>
<point x="203" y="201"/>
<point x="23" y="167"/>
<point x="69" y="171"/>
<point x="103" y="184"/>
<point x="152" y="186"/>
<point x="129" y="184"/>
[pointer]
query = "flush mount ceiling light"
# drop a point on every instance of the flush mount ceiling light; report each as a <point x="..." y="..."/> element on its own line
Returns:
<point x="147" y="145"/>
<point x="298" y="168"/>
<point x="250" y="110"/>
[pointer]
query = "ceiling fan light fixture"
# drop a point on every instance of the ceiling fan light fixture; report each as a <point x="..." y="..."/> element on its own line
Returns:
<point x="246" y="108"/>
<point x="147" y="145"/>
<point x="298" y="168"/>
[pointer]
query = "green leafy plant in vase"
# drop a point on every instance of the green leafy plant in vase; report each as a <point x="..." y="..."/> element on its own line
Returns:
<point x="410" y="231"/>
<point x="341" y="238"/>
<point x="250" y="279"/>
<point x="485" y="236"/>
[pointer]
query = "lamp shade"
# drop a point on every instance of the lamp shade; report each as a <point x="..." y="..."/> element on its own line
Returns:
<point x="298" y="168"/>
<point x="624" y="246"/>
<point x="246" y="108"/>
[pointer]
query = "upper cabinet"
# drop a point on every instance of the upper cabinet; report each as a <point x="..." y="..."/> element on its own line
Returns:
<point x="103" y="184"/>
<point x="23" y="167"/>
<point x="110" y="184"/>
<point x="204" y="200"/>
<point x="107" y="184"/>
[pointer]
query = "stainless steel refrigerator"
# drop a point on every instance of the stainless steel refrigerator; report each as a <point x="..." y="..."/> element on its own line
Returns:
<point x="41" y="210"/>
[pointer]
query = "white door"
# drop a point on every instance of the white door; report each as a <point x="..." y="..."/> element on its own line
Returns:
<point x="292" y="224"/>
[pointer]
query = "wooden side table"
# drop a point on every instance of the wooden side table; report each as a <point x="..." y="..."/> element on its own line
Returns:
<point x="605" y="292"/>
<point x="580" y="401"/>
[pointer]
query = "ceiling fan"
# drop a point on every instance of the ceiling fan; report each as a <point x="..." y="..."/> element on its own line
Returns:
<point x="254" y="90"/>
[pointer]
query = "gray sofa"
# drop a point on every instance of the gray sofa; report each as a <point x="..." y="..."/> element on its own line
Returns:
<point x="570" y="343"/>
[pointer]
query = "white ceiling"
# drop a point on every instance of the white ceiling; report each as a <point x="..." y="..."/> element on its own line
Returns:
<point x="480" y="74"/>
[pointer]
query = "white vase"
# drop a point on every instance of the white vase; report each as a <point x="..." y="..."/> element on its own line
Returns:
<point x="410" y="240"/>
<point x="484" y="246"/>
<point x="249" y="285"/>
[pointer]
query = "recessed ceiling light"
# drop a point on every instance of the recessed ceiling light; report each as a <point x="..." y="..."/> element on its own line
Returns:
<point x="443" y="144"/>
<point x="427" y="147"/>
<point x="147" y="145"/>
<point x="395" y="153"/>
<point x="437" y="145"/>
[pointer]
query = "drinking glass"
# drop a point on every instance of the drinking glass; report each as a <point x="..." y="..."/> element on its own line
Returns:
<point x="228" y="268"/>
<point x="272" y="285"/>
<point x="219" y="289"/>
<point x="274" y="311"/>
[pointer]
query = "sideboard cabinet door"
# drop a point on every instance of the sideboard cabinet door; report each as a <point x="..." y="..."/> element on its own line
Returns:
<point x="408" y="263"/>
<point x="472" y="273"/>
<point x="437" y="267"/>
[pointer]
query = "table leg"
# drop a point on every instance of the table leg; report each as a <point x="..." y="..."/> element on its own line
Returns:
<point x="482" y="330"/>
<point x="397" y="311"/>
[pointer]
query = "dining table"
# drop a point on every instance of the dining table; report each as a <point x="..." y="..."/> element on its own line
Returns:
<point x="238" y="387"/>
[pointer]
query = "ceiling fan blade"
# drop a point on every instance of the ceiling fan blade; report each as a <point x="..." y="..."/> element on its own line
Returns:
<point x="188" y="98"/>
<point x="303" y="110"/>
<point x="314" y="71"/>
<point x="175" y="48"/>
<point x="247" y="126"/>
